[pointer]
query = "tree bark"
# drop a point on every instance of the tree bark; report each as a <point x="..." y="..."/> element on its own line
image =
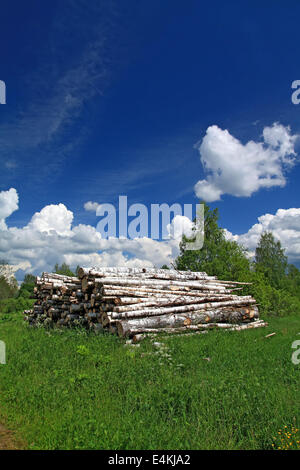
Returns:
<point x="153" y="311"/>
<point x="146" y="299"/>
<point x="190" y="331"/>
<point x="162" y="284"/>
<point x="183" y="301"/>
<point x="228" y="315"/>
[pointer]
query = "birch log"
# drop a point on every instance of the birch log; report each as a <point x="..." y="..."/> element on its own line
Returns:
<point x="183" y="301"/>
<point x="139" y="298"/>
<point x="195" y="329"/>
<point x="178" y="309"/>
<point x="163" y="284"/>
<point x="224" y="315"/>
<point x="97" y="272"/>
<point x="142" y="292"/>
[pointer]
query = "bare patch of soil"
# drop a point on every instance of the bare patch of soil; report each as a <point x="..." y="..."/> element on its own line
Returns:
<point x="8" y="440"/>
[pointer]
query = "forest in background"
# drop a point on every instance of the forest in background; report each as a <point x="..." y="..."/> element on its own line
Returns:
<point x="275" y="283"/>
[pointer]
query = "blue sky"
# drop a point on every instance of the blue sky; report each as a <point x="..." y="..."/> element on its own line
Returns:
<point x="110" y="97"/>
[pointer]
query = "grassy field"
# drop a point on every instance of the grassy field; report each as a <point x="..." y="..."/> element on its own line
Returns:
<point x="222" y="390"/>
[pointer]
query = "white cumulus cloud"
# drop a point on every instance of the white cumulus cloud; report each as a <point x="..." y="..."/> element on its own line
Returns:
<point x="9" y="203"/>
<point x="242" y="169"/>
<point x="55" y="217"/>
<point x="285" y="226"/>
<point x="50" y="237"/>
<point x="180" y="225"/>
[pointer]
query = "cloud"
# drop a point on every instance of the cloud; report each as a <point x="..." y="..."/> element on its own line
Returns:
<point x="180" y="225"/>
<point x="9" y="203"/>
<point x="91" y="206"/>
<point x="285" y="226"/>
<point x="242" y="169"/>
<point x="9" y="270"/>
<point x="50" y="237"/>
<point x="56" y="218"/>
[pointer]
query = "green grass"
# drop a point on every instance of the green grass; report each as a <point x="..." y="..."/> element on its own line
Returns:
<point x="74" y="390"/>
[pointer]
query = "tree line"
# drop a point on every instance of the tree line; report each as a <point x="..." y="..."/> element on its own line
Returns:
<point x="275" y="283"/>
<point x="13" y="298"/>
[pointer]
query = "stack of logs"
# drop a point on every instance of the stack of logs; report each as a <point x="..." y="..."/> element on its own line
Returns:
<point x="59" y="300"/>
<point x="134" y="302"/>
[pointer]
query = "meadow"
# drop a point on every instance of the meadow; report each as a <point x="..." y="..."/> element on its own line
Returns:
<point x="70" y="389"/>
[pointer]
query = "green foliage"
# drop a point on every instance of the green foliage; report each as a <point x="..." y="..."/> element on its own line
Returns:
<point x="7" y="289"/>
<point x="271" y="301"/>
<point x="29" y="279"/>
<point x="3" y="264"/>
<point x="13" y="299"/>
<point x="14" y="305"/>
<point x="275" y="284"/>
<point x="64" y="269"/>
<point x="75" y="390"/>
<point x="270" y="259"/>
<point x="164" y="266"/>
<point x="218" y="256"/>
<point x="292" y="281"/>
<point x="27" y="286"/>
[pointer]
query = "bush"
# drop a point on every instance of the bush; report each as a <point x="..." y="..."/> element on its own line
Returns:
<point x="271" y="301"/>
<point x="14" y="305"/>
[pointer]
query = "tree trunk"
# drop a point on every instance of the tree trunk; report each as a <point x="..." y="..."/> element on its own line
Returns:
<point x="178" y="309"/>
<point x="228" y="315"/>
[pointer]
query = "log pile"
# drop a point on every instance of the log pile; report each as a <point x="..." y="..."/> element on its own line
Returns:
<point x="59" y="300"/>
<point x="134" y="302"/>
